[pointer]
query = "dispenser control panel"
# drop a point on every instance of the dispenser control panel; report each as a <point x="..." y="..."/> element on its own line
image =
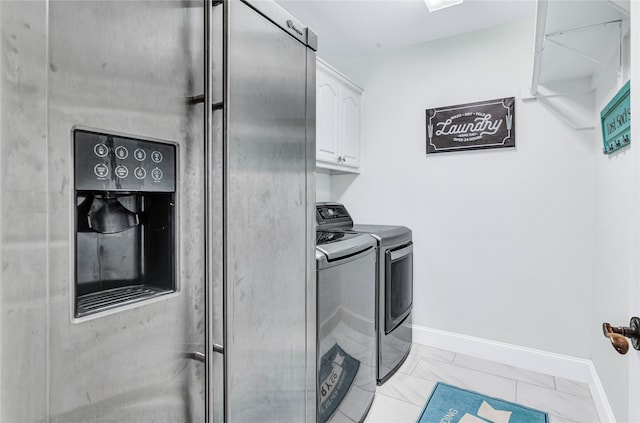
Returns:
<point x="105" y="162"/>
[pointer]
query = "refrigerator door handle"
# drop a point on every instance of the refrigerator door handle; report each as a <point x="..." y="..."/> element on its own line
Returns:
<point x="213" y="102"/>
<point x="197" y="356"/>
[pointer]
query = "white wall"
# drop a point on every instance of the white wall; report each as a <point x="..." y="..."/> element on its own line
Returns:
<point x="504" y="238"/>
<point x="323" y="186"/>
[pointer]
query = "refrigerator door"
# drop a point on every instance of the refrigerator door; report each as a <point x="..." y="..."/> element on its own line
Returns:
<point x="269" y="347"/>
<point x="128" y="68"/>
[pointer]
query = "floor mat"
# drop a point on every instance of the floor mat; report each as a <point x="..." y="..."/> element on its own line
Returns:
<point x="449" y="404"/>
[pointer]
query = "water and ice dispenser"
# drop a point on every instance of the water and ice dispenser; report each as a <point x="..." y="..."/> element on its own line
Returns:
<point x="125" y="220"/>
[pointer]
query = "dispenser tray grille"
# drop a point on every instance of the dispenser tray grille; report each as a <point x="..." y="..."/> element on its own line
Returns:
<point x="117" y="297"/>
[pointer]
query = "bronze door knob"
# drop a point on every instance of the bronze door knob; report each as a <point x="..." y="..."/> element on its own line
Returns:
<point x="619" y="335"/>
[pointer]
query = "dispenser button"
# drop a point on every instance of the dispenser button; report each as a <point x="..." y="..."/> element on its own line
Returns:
<point x="140" y="154"/>
<point x="101" y="150"/>
<point x="101" y="170"/>
<point x="121" y="152"/>
<point x="140" y="173"/>
<point x="122" y="171"/>
<point x="156" y="156"/>
<point x="156" y="174"/>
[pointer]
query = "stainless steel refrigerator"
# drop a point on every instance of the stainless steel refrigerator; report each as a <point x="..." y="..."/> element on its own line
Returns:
<point x="157" y="212"/>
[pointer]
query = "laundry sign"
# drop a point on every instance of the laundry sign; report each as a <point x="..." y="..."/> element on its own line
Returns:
<point x="486" y="124"/>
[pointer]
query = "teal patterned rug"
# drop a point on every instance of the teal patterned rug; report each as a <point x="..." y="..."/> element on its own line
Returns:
<point x="449" y="404"/>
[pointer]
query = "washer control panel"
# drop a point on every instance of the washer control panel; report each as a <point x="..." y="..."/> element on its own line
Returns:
<point x="333" y="215"/>
<point x="105" y="162"/>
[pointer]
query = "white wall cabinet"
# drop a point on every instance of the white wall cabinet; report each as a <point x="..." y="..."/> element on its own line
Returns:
<point x="338" y="116"/>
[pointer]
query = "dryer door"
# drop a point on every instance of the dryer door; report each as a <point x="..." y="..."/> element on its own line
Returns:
<point x="398" y="285"/>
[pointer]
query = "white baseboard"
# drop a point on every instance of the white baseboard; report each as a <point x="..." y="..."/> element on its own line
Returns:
<point x="599" y="396"/>
<point x="564" y="366"/>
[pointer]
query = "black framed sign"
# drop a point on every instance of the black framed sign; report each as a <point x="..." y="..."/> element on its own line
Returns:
<point x="486" y="124"/>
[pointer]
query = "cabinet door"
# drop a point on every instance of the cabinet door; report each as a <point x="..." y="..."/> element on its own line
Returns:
<point x="328" y="122"/>
<point x="350" y="137"/>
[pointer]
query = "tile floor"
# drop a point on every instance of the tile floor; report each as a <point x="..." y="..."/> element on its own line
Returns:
<point x="401" y="398"/>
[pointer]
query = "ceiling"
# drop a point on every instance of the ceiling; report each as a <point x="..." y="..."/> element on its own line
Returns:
<point x="352" y="28"/>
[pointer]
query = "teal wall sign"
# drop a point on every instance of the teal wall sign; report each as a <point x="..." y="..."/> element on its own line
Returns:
<point x="616" y="121"/>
